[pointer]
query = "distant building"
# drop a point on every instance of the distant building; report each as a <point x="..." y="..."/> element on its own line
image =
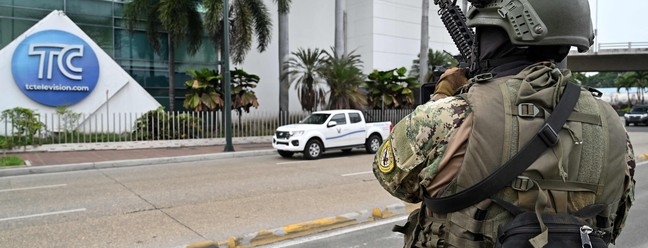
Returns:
<point x="385" y="33"/>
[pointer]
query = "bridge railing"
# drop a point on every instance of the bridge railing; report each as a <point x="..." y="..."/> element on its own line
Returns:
<point x="622" y="45"/>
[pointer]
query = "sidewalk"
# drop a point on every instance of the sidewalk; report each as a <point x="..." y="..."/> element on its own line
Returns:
<point x="75" y="157"/>
<point x="59" y="161"/>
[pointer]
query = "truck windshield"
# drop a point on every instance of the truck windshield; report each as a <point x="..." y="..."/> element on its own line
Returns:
<point x="639" y="110"/>
<point x="315" y="119"/>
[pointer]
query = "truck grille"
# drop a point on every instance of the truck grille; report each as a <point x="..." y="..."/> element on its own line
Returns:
<point x="282" y="135"/>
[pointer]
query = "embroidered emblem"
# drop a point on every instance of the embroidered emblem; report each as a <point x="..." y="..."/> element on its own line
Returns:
<point x="386" y="163"/>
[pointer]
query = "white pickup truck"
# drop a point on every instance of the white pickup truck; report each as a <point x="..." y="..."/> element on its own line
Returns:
<point x="325" y="130"/>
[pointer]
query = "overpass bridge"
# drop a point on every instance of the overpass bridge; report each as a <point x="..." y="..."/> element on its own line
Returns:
<point x="617" y="57"/>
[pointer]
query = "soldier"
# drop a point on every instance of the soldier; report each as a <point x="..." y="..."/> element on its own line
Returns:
<point x="507" y="161"/>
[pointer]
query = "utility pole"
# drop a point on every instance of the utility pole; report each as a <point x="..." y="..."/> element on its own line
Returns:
<point x="226" y="79"/>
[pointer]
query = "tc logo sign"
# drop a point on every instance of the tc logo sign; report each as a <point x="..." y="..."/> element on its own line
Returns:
<point x="55" y="68"/>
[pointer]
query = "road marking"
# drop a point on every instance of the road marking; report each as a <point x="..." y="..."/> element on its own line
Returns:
<point x="293" y="162"/>
<point x="37" y="187"/>
<point x="334" y="233"/>
<point x="308" y="161"/>
<point x="357" y="173"/>
<point x="642" y="163"/>
<point x="43" y="214"/>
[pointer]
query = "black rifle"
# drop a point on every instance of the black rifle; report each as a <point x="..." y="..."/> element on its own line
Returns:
<point x="455" y="22"/>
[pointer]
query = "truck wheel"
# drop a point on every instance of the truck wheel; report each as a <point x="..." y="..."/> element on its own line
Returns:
<point x="313" y="149"/>
<point x="373" y="143"/>
<point x="285" y="154"/>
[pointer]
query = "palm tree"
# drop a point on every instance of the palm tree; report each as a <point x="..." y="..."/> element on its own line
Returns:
<point x="639" y="79"/>
<point x="248" y="19"/>
<point x="284" y="53"/>
<point x="303" y="70"/>
<point x="343" y="74"/>
<point x="179" y="18"/>
<point x="626" y="82"/>
<point x="435" y="59"/>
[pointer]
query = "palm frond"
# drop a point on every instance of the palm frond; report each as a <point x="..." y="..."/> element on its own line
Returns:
<point x="181" y="20"/>
<point x="262" y="23"/>
<point x="241" y="33"/>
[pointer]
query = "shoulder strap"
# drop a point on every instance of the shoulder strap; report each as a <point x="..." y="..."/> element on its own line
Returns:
<point x="545" y="138"/>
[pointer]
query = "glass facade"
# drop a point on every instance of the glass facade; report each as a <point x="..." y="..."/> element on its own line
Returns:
<point x="103" y="21"/>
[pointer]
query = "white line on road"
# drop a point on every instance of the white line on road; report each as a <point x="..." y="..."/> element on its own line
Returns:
<point x="37" y="187"/>
<point x="339" y="232"/>
<point x="308" y="161"/>
<point x="293" y="162"/>
<point x="44" y="214"/>
<point x="642" y="163"/>
<point x="357" y="173"/>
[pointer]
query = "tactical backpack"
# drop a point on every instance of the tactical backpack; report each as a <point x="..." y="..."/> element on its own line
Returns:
<point x="545" y="166"/>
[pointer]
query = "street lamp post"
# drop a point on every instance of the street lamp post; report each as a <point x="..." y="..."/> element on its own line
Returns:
<point x="226" y="79"/>
<point x="596" y="38"/>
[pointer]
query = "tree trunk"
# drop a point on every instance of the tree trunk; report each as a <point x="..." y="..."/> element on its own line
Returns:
<point x="284" y="84"/>
<point x="423" y="58"/>
<point x="339" y="27"/>
<point x="171" y="74"/>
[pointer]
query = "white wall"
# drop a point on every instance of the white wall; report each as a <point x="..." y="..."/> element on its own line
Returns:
<point x="311" y="26"/>
<point x="397" y="33"/>
<point x="385" y="33"/>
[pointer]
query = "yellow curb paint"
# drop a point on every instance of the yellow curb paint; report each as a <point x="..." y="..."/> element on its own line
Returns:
<point x="231" y="242"/>
<point x="301" y="229"/>
<point x="264" y="237"/>
<point x="643" y="157"/>
<point x="203" y="244"/>
<point x="411" y="207"/>
<point x="376" y="213"/>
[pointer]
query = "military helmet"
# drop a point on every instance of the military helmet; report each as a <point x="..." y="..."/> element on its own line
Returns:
<point x="537" y="22"/>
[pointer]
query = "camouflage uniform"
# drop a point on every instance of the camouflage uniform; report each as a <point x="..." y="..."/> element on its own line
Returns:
<point x="420" y="138"/>
<point x="425" y="152"/>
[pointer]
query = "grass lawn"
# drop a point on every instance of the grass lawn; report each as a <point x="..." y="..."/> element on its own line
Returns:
<point x="11" y="160"/>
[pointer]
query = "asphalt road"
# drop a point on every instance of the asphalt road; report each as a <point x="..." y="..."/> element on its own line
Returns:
<point x="379" y="235"/>
<point x="172" y="205"/>
<point x="176" y="204"/>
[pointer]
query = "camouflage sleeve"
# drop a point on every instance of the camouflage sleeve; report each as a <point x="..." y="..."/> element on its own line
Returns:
<point x="628" y="197"/>
<point x="414" y="149"/>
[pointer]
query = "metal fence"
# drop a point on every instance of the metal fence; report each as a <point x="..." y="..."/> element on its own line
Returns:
<point x="158" y="125"/>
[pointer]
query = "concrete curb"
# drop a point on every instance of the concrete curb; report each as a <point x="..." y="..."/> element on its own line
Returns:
<point x="264" y="237"/>
<point x="128" y="163"/>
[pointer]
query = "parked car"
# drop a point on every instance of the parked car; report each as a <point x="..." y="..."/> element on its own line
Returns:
<point x="638" y="114"/>
<point x="327" y="130"/>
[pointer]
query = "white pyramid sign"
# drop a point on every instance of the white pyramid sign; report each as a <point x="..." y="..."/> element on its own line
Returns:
<point x="55" y="64"/>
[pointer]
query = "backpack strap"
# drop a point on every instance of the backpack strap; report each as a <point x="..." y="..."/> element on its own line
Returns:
<point x="546" y="137"/>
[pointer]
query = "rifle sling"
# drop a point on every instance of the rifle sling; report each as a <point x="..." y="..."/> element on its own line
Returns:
<point x="545" y="138"/>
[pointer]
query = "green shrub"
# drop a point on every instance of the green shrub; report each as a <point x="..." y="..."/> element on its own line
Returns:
<point x="159" y="125"/>
<point x="11" y="161"/>
<point x="25" y="125"/>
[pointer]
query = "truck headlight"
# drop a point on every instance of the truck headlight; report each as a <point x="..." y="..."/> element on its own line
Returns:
<point x="295" y="133"/>
<point x="644" y="116"/>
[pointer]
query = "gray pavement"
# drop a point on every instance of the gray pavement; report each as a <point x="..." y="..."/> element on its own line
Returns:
<point x="71" y="160"/>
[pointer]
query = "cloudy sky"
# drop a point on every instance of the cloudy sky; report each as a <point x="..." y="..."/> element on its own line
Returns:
<point x="620" y="20"/>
